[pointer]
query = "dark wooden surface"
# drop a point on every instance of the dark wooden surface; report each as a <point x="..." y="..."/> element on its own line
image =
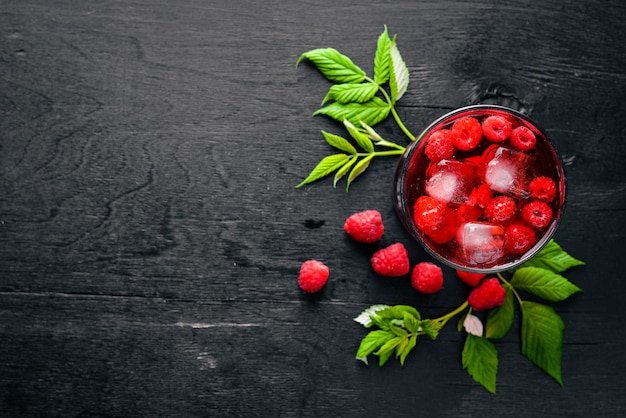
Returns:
<point x="151" y="234"/>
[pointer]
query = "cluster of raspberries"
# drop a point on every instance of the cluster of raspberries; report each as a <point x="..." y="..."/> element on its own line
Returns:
<point x="393" y="261"/>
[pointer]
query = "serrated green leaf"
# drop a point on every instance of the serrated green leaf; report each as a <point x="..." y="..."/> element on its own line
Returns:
<point x="400" y="348"/>
<point x="387" y="350"/>
<point x="407" y="349"/>
<point x="344" y="170"/>
<point x="543" y="283"/>
<point x="365" y="317"/>
<point x="382" y="323"/>
<point x="333" y="65"/>
<point x="397" y="328"/>
<point x="358" y="169"/>
<point x="542" y="337"/>
<point x="411" y="323"/>
<point x="339" y="142"/>
<point x="399" y="74"/>
<point x="351" y="92"/>
<point x="398" y="312"/>
<point x="480" y="359"/>
<point x="361" y="139"/>
<point x="382" y="58"/>
<point x="370" y="112"/>
<point x="373" y="135"/>
<point x="554" y="258"/>
<point x="500" y="319"/>
<point x="430" y="328"/>
<point x="372" y="342"/>
<point x="325" y="167"/>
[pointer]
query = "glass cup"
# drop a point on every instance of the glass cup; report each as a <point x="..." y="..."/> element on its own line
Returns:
<point x="482" y="189"/>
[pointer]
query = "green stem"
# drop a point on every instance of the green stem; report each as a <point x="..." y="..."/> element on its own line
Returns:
<point x="381" y="153"/>
<point x="400" y="124"/>
<point x="505" y="281"/>
<point x="393" y="110"/>
<point x="443" y="319"/>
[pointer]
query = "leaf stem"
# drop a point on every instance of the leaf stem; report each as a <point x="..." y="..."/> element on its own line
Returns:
<point x="505" y="281"/>
<point x="381" y="153"/>
<point x="443" y="319"/>
<point x="400" y="124"/>
<point x="396" y="117"/>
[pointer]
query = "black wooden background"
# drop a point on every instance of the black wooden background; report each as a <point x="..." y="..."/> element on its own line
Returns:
<point x="151" y="234"/>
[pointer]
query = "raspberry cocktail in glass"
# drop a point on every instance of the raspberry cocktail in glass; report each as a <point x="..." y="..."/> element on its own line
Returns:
<point x="482" y="189"/>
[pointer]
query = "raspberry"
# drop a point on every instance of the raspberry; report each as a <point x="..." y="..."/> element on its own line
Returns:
<point x="542" y="188"/>
<point x="429" y="214"/>
<point x="366" y="226"/>
<point x="488" y="295"/>
<point x="523" y="138"/>
<point x="480" y="195"/>
<point x="518" y="238"/>
<point x="469" y="278"/>
<point x="447" y="232"/>
<point x="427" y="277"/>
<point x="468" y="213"/>
<point x="500" y="209"/>
<point x="466" y="133"/>
<point x="496" y="128"/>
<point x="313" y="276"/>
<point x="392" y="261"/>
<point x="537" y="214"/>
<point x="439" y="145"/>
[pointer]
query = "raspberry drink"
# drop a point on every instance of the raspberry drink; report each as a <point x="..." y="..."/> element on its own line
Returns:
<point x="482" y="189"/>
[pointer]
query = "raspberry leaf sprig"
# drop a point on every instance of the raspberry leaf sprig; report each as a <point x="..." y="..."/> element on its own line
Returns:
<point x="357" y="100"/>
<point x="541" y="327"/>
<point x="350" y="160"/>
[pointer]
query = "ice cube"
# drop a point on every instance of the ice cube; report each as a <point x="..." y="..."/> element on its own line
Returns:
<point x="507" y="171"/>
<point x="481" y="243"/>
<point x="451" y="181"/>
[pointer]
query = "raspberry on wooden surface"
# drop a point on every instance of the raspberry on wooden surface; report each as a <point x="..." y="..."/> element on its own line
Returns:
<point x="391" y="261"/>
<point x="366" y="226"/>
<point x="313" y="276"/>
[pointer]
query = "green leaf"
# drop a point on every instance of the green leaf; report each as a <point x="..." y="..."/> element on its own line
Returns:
<point x="339" y="142"/>
<point x="365" y="317"/>
<point x="387" y="350"/>
<point x="399" y="75"/>
<point x="480" y="359"/>
<point x="396" y="328"/>
<point x="372" y="134"/>
<point x="372" y="342"/>
<point x="382" y="323"/>
<point x="361" y="139"/>
<point x="325" y="167"/>
<point x="398" y="312"/>
<point x="552" y="257"/>
<point x="370" y="112"/>
<point x="333" y="65"/>
<point x="542" y="337"/>
<point x="358" y="169"/>
<point x="344" y="170"/>
<point x="351" y="92"/>
<point x="411" y="323"/>
<point x="407" y="349"/>
<point x="543" y="283"/>
<point x="500" y="319"/>
<point x="382" y="59"/>
<point x="430" y="328"/>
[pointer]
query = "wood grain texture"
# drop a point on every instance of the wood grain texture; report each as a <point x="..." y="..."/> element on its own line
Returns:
<point x="151" y="234"/>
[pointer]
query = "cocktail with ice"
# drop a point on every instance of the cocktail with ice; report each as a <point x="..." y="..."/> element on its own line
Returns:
<point x="482" y="189"/>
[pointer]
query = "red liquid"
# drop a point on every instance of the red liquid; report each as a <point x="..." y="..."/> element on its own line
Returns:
<point x="470" y="237"/>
